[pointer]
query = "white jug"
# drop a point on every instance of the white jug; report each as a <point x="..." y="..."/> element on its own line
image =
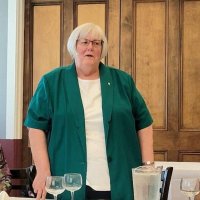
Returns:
<point x="147" y="182"/>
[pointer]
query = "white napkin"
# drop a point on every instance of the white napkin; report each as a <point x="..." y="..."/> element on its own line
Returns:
<point x="4" y="196"/>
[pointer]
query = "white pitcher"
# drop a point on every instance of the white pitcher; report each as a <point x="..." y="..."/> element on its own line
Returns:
<point x="147" y="182"/>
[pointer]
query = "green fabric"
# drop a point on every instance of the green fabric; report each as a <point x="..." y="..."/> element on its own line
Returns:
<point x="56" y="108"/>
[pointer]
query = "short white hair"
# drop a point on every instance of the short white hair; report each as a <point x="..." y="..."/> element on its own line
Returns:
<point x="81" y="32"/>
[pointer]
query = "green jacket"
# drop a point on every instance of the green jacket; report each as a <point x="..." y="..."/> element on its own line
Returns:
<point x="56" y="108"/>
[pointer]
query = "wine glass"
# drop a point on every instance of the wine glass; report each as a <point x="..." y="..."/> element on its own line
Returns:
<point x="54" y="185"/>
<point x="190" y="187"/>
<point x="72" y="182"/>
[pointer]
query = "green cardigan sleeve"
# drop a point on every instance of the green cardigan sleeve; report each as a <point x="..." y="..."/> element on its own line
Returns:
<point x="141" y="113"/>
<point x="38" y="114"/>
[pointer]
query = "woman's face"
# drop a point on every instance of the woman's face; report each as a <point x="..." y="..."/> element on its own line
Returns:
<point x="88" y="52"/>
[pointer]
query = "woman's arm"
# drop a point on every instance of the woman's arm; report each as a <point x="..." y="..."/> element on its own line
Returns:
<point x="146" y="143"/>
<point x="41" y="160"/>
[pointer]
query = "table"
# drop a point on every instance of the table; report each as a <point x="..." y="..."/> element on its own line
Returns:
<point x="180" y="169"/>
<point x="23" y="198"/>
<point x="5" y="196"/>
<point x="20" y="198"/>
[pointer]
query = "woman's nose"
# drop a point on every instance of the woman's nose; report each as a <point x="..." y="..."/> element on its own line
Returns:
<point x="90" y="45"/>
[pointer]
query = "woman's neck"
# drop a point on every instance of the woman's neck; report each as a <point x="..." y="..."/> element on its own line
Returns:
<point x="88" y="73"/>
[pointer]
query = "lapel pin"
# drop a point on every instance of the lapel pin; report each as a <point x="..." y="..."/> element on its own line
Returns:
<point x="108" y="83"/>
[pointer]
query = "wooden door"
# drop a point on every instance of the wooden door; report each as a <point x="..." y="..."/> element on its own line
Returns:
<point x="164" y="53"/>
<point x="157" y="42"/>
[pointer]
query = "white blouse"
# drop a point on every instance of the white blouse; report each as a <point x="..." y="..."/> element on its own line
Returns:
<point x="97" y="166"/>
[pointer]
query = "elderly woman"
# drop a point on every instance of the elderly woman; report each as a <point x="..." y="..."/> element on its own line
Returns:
<point x="5" y="176"/>
<point x="90" y="119"/>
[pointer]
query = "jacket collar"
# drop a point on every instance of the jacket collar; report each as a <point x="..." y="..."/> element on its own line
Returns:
<point x="107" y="96"/>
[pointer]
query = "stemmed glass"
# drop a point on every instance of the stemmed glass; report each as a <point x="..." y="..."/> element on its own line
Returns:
<point x="54" y="185"/>
<point x="190" y="187"/>
<point x="72" y="182"/>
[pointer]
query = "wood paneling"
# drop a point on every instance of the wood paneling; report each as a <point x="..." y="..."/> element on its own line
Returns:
<point x="96" y="14"/>
<point x="126" y="37"/>
<point x="189" y="156"/>
<point x="190" y="98"/>
<point x="114" y="35"/>
<point x="150" y="58"/>
<point x="160" y="155"/>
<point x="46" y="40"/>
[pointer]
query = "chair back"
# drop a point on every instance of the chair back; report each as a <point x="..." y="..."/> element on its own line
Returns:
<point x="166" y="179"/>
<point x="22" y="179"/>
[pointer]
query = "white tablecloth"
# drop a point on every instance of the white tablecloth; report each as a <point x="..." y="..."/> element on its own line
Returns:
<point x="180" y="169"/>
<point x="21" y="198"/>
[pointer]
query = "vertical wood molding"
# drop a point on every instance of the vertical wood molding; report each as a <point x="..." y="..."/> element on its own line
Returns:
<point x="67" y="29"/>
<point x="114" y="33"/>
<point x="126" y="42"/>
<point x="173" y="68"/>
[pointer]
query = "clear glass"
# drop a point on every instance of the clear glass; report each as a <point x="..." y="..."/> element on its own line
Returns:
<point x="54" y="185"/>
<point x="147" y="182"/>
<point x="72" y="182"/>
<point x="190" y="187"/>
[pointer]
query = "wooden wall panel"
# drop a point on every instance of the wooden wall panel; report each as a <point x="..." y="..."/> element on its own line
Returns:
<point x="96" y="14"/>
<point x="46" y="40"/>
<point x="191" y="66"/>
<point x="189" y="156"/>
<point x="114" y="33"/>
<point x="160" y="155"/>
<point x="126" y="37"/>
<point x="150" y="58"/>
